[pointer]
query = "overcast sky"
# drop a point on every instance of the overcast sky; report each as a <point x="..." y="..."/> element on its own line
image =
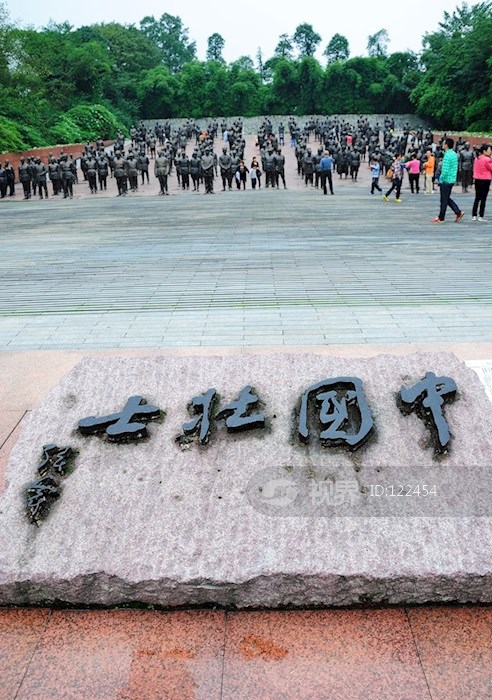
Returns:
<point x="247" y="25"/>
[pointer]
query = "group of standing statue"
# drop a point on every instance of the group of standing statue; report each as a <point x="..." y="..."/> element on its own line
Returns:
<point x="61" y="171"/>
<point x="323" y="147"/>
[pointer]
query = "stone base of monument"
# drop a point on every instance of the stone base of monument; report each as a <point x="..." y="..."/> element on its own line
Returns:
<point x="259" y="510"/>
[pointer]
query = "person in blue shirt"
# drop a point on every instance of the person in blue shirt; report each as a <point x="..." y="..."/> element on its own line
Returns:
<point x="375" y="173"/>
<point x="325" y="171"/>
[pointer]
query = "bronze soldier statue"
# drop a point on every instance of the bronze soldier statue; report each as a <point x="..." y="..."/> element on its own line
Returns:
<point x="132" y="171"/>
<point x="279" y="167"/>
<point x="225" y="162"/>
<point x="143" y="166"/>
<point x="67" y="177"/>
<point x="161" y="170"/>
<point x="121" y="174"/>
<point x="25" y="177"/>
<point x="102" y="170"/>
<point x="184" y="167"/>
<point x="40" y="172"/>
<point x="54" y="175"/>
<point x="208" y="171"/>
<point x="91" y="172"/>
<point x="195" y="171"/>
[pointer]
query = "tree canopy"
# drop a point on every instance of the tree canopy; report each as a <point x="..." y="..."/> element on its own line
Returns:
<point x="337" y="49"/>
<point x="306" y="40"/>
<point x="53" y="80"/>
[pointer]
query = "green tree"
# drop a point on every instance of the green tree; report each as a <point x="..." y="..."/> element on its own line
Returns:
<point x="283" y="96"/>
<point x="339" y="88"/>
<point x="284" y="48"/>
<point x="216" y="90"/>
<point x="246" y="92"/>
<point x="464" y="19"/>
<point x="191" y="90"/>
<point x="157" y="92"/>
<point x="455" y="87"/>
<point x="215" y="46"/>
<point x="377" y="44"/>
<point x="4" y="33"/>
<point x="337" y="49"/>
<point x="403" y="63"/>
<point x="242" y="63"/>
<point x="306" y="39"/>
<point x="169" y="35"/>
<point x="310" y="85"/>
<point x="129" y="52"/>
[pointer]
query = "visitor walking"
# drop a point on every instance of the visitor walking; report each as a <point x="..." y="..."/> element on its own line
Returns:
<point x="447" y="180"/>
<point x="375" y="173"/>
<point x="413" y="166"/>
<point x="482" y="174"/>
<point x="396" y="179"/>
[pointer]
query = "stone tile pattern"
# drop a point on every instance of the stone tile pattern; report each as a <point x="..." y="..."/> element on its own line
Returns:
<point x="427" y="653"/>
<point x="153" y="523"/>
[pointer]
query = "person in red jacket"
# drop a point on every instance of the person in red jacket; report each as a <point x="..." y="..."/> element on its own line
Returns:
<point x="482" y="174"/>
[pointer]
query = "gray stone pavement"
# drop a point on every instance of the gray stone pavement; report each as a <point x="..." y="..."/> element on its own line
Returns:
<point x="242" y="269"/>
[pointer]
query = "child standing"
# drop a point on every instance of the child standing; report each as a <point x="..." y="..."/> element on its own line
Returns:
<point x="375" y="173"/>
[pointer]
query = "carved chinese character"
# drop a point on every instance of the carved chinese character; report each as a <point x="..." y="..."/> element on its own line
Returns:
<point x="236" y="414"/>
<point x="40" y="496"/>
<point x="426" y="398"/>
<point x="202" y="406"/>
<point x="42" y="493"/>
<point x="343" y="412"/>
<point x="54" y="459"/>
<point x="128" y="424"/>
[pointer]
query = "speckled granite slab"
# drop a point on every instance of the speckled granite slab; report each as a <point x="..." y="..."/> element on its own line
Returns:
<point x="255" y="518"/>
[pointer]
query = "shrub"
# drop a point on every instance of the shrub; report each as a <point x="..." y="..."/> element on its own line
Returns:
<point x="94" y="121"/>
<point x="11" y="138"/>
<point x="66" y="131"/>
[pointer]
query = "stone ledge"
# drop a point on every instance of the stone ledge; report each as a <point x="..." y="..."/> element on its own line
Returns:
<point x="152" y="523"/>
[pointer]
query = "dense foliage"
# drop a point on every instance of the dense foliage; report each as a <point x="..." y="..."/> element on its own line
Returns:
<point x="60" y="84"/>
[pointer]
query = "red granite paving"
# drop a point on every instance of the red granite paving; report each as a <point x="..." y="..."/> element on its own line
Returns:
<point x="342" y="654"/>
<point x="128" y="655"/>
<point x="20" y="633"/>
<point x="429" y="653"/>
<point x="455" y="648"/>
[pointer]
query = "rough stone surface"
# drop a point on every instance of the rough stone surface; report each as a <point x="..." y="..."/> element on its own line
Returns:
<point x="154" y="523"/>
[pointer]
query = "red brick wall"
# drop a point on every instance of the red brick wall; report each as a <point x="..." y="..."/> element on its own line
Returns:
<point x="74" y="149"/>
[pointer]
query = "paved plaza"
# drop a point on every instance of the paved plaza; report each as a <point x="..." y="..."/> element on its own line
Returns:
<point x="268" y="267"/>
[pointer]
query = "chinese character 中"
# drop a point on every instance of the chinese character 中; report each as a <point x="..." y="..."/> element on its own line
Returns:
<point x="343" y="409"/>
<point x="426" y="398"/>
<point x="120" y="427"/>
